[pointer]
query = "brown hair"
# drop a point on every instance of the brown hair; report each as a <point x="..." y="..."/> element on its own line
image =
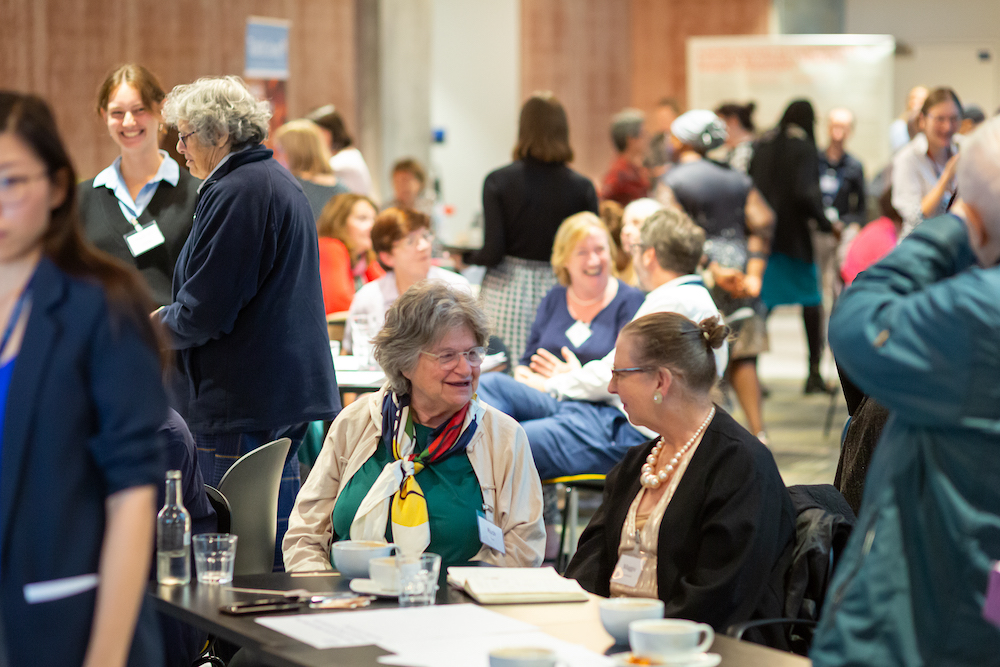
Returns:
<point x="939" y="95"/>
<point x="137" y="76"/>
<point x="30" y="119"/>
<point x="330" y="120"/>
<point x="332" y="221"/>
<point x="303" y="145"/>
<point x="543" y="130"/>
<point x="394" y="224"/>
<point x="411" y="166"/>
<point x="571" y="232"/>
<point x="672" y="341"/>
<point x="612" y="214"/>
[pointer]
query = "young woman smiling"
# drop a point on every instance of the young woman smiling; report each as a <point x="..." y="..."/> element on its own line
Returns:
<point x="140" y="208"/>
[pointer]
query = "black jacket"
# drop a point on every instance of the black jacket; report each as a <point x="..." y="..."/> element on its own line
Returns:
<point x="726" y="537"/>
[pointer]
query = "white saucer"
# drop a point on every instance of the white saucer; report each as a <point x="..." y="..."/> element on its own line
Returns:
<point x="700" y="660"/>
<point x="369" y="587"/>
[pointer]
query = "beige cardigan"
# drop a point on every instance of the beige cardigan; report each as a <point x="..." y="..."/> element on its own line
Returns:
<point x="500" y="457"/>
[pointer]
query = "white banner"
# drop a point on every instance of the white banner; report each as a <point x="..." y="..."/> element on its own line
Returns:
<point x="853" y="71"/>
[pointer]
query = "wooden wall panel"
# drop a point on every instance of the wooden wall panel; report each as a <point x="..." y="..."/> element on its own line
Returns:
<point x="600" y="56"/>
<point x="659" y="35"/>
<point x="62" y="49"/>
<point x="579" y="50"/>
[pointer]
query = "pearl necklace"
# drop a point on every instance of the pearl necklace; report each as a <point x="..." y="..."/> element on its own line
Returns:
<point x="653" y="480"/>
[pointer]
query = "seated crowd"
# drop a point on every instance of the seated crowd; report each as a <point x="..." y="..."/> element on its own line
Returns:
<point x="621" y="319"/>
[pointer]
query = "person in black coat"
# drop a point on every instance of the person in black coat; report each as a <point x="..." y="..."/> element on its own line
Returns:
<point x="700" y="517"/>
<point x="82" y="399"/>
<point x="143" y="192"/>
<point x="247" y="320"/>
<point x="785" y="168"/>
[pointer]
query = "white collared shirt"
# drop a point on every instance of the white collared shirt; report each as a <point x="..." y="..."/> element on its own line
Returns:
<point x="111" y="178"/>
<point x="914" y="174"/>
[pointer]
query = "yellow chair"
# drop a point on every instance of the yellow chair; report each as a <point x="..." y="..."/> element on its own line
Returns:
<point x="571" y="511"/>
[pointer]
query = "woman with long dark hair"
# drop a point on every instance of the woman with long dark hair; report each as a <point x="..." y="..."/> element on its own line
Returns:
<point x="81" y="399"/>
<point x="785" y="168"/>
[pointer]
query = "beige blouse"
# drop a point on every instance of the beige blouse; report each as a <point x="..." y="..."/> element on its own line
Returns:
<point x="640" y="535"/>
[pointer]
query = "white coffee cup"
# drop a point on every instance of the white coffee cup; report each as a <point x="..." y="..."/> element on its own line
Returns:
<point x="669" y="638"/>
<point x="351" y="557"/>
<point x="384" y="573"/>
<point x="523" y="656"/>
<point x="617" y="613"/>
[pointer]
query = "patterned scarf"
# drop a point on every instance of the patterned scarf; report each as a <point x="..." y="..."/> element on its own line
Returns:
<point x="398" y="483"/>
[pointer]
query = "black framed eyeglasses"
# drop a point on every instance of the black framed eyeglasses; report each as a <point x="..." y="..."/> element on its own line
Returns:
<point x="182" y="138"/>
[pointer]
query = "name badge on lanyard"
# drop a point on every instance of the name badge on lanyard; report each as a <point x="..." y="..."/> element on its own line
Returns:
<point x="143" y="238"/>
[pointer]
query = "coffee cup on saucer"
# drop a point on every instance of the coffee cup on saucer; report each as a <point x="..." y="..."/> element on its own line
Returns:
<point x="523" y="656"/>
<point x="351" y="557"/>
<point x="617" y="613"/>
<point x="673" y="640"/>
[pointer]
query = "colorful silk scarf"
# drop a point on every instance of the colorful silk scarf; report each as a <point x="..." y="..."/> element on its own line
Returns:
<point x="397" y="482"/>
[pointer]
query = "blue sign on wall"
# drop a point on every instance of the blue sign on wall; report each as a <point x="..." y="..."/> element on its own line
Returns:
<point x="266" y="48"/>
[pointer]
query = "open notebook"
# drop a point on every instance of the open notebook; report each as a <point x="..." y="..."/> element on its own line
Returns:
<point x="515" y="585"/>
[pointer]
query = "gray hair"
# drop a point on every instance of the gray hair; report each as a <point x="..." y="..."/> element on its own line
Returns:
<point x="625" y="125"/>
<point x="677" y="240"/>
<point x="419" y="318"/>
<point x="978" y="176"/>
<point x="215" y="106"/>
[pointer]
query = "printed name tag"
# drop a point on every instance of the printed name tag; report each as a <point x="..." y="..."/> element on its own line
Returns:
<point x="578" y="334"/>
<point x="627" y="570"/>
<point x="491" y="535"/>
<point x="145" y="239"/>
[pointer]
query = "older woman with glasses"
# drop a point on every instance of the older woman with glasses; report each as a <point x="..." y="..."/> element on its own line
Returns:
<point x="699" y="515"/>
<point x="247" y="318"/>
<point x="402" y="240"/>
<point x="423" y="439"/>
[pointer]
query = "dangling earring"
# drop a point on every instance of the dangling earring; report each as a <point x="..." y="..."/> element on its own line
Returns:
<point x="657" y="397"/>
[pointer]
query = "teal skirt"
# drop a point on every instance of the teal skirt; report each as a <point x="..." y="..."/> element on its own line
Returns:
<point x="789" y="280"/>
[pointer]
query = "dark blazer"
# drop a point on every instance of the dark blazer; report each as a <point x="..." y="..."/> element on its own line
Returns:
<point x="172" y="207"/>
<point x="726" y="537"/>
<point x="247" y="318"/>
<point x="785" y="168"/>
<point x="80" y="424"/>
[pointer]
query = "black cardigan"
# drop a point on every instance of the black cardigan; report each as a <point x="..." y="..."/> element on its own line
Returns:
<point x="523" y="205"/>
<point x="173" y="209"/>
<point x="726" y="537"/>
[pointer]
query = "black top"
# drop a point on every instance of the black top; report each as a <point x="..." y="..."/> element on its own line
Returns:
<point x="726" y="537"/>
<point x="843" y="186"/>
<point x="172" y="207"/>
<point x="248" y="320"/>
<point x="786" y="171"/>
<point x="523" y="205"/>
<point x="318" y="195"/>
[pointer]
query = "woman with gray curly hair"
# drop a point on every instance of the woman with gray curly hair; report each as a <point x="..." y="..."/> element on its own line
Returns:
<point x="425" y="445"/>
<point x="247" y="318"/>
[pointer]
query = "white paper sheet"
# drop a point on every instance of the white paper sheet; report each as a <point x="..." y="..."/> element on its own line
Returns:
<point x="474" y="652"/>
<point x="395" y="629"/>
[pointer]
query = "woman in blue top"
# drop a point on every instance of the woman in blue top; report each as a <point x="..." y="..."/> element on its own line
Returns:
<point x="577" y="321"/>
<point x="83" y="402"/>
